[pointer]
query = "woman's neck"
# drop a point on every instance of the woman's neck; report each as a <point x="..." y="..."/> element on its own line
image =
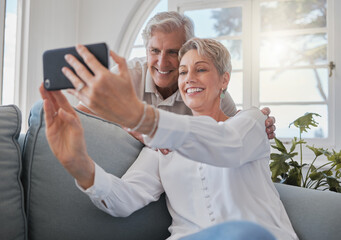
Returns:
<point x="218" y="115"/>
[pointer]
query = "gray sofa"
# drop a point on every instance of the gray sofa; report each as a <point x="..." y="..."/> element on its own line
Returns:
<point x="39" y="200"/>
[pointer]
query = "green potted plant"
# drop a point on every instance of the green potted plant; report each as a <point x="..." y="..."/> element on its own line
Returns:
<point x="286" y="169"/>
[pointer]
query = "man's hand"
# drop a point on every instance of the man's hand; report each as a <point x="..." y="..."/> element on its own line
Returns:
<point x="269" y="123"/>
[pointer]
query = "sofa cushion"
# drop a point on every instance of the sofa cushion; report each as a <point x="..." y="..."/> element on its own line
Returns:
<point x="314" y="214"/>
<point x="56" y="209"/>
<point x="12" y="214"/>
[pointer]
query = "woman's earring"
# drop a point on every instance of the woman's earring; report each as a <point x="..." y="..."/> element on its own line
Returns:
<point x="222" y="95"/>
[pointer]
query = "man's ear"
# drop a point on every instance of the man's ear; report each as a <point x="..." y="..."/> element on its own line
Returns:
<point x="226" y="80"/>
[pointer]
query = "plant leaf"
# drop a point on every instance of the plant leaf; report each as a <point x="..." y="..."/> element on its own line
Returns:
<point x="283" y="156"/>
<point x="294" y="143"/>
<point x="333" y="183"/>
<point x="335" y="157"/>
<point x="297" y="165"/>
<point x="294" y="177"/>
<point x="327" y="173"/>
<point x="304" y="122"/>
<point x="316" y="176"/>
<point x="278" y="167"/>
<point x="279" y="146"/>
<point x="318" y="151"/>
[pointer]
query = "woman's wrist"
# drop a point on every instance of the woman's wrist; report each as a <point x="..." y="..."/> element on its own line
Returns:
<point x="147" y="120"/>
<point x="86" y="176"/>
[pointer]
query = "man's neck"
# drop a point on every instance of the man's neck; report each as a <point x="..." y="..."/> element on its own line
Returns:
<point x="166" y="92"/>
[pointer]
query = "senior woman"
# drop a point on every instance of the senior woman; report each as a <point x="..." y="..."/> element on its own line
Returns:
<point x="215" y="178"/>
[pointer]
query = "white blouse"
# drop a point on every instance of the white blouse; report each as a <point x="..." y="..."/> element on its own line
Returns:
<point x="198" y="194"/>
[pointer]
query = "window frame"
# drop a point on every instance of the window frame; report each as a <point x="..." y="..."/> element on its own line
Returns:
<point x="135" y="25"/>
<point x="2" y="42"/>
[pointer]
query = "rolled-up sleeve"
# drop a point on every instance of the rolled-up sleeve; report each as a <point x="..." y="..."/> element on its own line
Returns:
<point x="139" y="186"/>
<point x="232" y="143"/>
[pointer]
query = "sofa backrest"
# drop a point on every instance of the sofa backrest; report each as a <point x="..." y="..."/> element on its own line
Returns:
<point x="56" y="209"/>
<point x="12" y="214"/>
<point x="314" y="214"/>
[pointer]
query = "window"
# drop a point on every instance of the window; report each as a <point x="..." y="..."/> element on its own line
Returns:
<point x="138" y="49"/>
<point x="280" y="55"/>
<point x="9" y="23"/>
<point x="293" y="43"/>
<point x="226" y="25"/>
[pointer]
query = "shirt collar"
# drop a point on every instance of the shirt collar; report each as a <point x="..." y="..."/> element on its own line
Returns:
<point x="151" y="88"/>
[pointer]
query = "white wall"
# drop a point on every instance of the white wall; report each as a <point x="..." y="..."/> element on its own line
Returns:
<point x="337" y="72"/>
<point x="48" y="24"/>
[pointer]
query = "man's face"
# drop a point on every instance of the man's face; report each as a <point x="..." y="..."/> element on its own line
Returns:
<point x="162" y="58"/>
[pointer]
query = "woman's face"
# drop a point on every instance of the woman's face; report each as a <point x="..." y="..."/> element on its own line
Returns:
<point x="200" y="83"/>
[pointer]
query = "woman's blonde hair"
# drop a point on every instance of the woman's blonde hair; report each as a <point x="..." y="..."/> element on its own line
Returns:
<point x="211" y="49"/>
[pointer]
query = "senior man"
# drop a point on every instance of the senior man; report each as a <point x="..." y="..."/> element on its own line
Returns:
<point x="155" y="78"/>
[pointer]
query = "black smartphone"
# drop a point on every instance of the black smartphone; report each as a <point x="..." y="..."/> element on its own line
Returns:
<point x="54" y="61"/>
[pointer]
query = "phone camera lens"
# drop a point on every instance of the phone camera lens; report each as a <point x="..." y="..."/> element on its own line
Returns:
<point x="47" y="83"/>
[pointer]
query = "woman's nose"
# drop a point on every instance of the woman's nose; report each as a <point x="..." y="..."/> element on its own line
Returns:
<point x="190" y="77"/>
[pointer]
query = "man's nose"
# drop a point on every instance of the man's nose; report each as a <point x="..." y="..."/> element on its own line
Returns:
<point x="162" y="59"/>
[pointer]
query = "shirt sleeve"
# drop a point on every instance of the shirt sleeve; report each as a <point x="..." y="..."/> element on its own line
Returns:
<point x="232" y="143"/>
<point x="139" y="186"/>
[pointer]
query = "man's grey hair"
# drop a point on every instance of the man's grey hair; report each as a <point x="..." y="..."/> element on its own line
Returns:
<point x="168" y="22"/>
<point x="211" y="49"/>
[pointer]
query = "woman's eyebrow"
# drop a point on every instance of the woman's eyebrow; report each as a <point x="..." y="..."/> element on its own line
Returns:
<point x="195" y="63"/>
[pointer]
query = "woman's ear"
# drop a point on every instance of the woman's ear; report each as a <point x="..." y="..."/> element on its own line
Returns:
<point x="226" y="80"/>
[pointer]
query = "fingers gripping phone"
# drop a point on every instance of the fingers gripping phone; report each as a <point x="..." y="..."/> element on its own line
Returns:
<point x="53" y="62"/>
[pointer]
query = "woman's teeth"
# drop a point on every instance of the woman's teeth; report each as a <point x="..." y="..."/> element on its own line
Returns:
<point x="193" y="90"/>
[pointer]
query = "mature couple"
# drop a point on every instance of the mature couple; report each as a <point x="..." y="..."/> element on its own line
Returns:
<point x="216" y="176"/>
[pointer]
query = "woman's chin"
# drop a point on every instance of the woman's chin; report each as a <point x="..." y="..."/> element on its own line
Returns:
<point x="194" y="107"/>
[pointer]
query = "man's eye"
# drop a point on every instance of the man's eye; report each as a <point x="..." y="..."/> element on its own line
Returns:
<point x="155" y="50"/>
<point x="173" y="52"/>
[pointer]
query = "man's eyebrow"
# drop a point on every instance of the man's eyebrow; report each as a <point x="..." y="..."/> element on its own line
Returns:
<point x="173" y="50"/>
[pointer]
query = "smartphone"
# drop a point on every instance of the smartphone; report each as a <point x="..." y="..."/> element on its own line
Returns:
<point x="54" y="61"/>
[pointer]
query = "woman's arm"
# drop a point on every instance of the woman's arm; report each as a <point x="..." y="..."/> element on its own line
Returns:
<point x="65" y="136"/>
<point x="239" y="140"/>
<point x="139" y="186"/>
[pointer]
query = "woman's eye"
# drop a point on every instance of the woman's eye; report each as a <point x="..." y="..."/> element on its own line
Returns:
<point x="182" y="73"/>
<point x="201" y="70"/>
